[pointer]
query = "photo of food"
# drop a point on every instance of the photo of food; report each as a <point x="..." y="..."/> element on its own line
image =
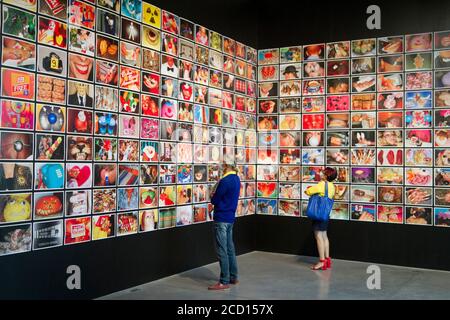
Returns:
<point x="363" y="84"/>
<point x="338" y="68"/>
<point x="151" y="38"/>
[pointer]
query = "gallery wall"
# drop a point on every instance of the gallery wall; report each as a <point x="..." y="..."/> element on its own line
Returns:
<point x="366" y="229"/>
<point x="110" y="112"/>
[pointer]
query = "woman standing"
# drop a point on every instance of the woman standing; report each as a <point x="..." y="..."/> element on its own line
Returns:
<point x="320" y="228"/>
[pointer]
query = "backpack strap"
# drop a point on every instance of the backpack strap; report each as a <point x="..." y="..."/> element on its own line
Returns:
<point x="326" y="188"/>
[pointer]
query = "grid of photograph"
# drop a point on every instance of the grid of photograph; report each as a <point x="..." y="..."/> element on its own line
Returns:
<point x="377" y="110"/>
<point x="115" y="118"/>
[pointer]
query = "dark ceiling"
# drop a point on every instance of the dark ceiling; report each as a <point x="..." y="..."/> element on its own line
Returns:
<point x="269" y="23"/>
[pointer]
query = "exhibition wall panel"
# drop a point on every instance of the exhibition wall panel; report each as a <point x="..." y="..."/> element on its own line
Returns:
<point x="329" y="104"/>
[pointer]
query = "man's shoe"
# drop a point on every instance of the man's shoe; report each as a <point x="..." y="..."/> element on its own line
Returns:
<point x="234" y="282"/>
<point x="219" y="286"/>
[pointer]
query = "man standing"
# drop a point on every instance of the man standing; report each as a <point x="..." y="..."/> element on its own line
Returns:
<point x="225" y="200"/>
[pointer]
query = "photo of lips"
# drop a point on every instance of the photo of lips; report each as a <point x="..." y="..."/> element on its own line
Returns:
<point x="81" y="67"/>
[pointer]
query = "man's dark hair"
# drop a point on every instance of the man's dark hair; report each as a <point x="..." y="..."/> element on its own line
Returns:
<point x="330" y="173"/>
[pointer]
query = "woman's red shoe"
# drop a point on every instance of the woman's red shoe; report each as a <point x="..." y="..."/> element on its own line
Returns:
<point x="328" y="262"/>
<point x="318" y="267"/>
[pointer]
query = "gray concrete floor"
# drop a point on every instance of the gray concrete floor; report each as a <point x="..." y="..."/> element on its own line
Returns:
<point x="270" y="276"/>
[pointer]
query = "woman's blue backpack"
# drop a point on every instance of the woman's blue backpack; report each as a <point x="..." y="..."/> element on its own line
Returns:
<point x="319" y="208"/>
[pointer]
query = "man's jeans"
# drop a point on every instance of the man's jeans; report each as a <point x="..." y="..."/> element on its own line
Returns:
<point x="225" y="251"/>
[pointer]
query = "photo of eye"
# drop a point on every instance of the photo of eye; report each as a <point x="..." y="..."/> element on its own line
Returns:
<point x="16" y="146"/>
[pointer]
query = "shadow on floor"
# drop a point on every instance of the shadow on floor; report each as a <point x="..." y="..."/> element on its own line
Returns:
<point x="203" y="275"/>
